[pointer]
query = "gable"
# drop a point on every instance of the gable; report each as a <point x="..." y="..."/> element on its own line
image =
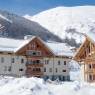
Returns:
<point x="36" y="45"/>
<point x="85" y="49"/>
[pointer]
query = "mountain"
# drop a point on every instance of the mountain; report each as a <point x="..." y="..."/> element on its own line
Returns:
<point x="69" y="23"/>
<point x="15" y="26"/>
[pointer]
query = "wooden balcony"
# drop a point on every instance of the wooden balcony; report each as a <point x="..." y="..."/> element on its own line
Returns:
<point x="90" y="71"/>
<point x="35" y="64"/>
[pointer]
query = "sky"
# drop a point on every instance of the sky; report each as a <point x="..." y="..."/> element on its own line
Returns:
<point x="32" y="7"/>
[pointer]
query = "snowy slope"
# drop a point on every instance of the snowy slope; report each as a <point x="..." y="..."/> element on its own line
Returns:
<point x="67" y="21"/>
<point x="35" y="86"/>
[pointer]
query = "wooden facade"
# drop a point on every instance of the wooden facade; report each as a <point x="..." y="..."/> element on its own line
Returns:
<point x="34" y="51"/>
<point x="86" y="57"/>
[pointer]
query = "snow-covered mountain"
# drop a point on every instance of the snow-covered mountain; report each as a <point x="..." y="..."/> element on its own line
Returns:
<point x="67" y="22"/>
<point x="12" y="25"/>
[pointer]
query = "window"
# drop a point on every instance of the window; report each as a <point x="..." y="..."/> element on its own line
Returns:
<point x="93" y="65"/>
<point x="37" y="46"/>
<point x="93" y="77"/>
<point x="33" y="45"/>
<point x="38" y="61"/>
<point x="89" y="66"/>
<point x="36" y="69"/>
<point x="64" y="62"/>
<point x="12" y="60"/>
<point x="90" y="77"/>
<point x="34" y="53"/>
<point x="33" y="69"/>
<point x="21" y="69"/>
<point x="9" y="69"/>
<point x="89" y="49"/>
<point x="56" y="70"/>
<point x="44" y="69"/>
<point x="50" y="70"/>
<point x="64" y="70"/>
<point x="59" y="62"/>
<point x="46" y="61"/>
<point x="22" y="60"/>
<point x="2" y="59"/>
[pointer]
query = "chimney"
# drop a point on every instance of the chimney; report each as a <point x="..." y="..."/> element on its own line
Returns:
<point x="27" y="37"/>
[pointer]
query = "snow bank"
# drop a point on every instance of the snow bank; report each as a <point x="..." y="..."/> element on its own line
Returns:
<point x="36" y="86"/>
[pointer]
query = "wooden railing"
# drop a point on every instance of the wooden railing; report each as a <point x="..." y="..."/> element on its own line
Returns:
<point x="36" y="73"/>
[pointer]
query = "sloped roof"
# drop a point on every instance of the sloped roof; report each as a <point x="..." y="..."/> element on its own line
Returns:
<point x="88" y="35"/>
<point x="60" y="49"/>
<point x="91" y="35"/>
<point x="12" y="45"/>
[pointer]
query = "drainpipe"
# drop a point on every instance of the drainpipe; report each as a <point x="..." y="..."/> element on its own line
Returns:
<point x="53" y="68"/>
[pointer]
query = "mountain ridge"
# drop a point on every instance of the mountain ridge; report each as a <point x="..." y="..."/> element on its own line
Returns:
<point x="14" y="26"/>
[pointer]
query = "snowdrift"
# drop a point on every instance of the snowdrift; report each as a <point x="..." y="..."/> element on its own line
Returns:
<point x="36" y="86"/>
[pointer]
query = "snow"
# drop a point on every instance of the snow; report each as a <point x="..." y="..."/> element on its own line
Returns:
<point x="37" y="86"/>
<point x="12" y="45"/>
<point x="8" y="44"/>
<point x="60" y="19"/>
<point x="60" y="48"/>
<point x="91" y="35"/>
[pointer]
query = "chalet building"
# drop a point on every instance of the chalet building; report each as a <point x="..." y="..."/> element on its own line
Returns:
<point x="33" y="57"/>
<point x="35" y="51"/>
<point x="86" y="58"/>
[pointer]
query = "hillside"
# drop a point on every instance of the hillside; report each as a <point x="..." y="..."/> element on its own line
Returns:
<point x="67" y="22"/>
<point x="15" y="26"/>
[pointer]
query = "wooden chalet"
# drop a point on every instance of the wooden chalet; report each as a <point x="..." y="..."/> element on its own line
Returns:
<point x="86" y="57"/>
<point x="34" y="51"/>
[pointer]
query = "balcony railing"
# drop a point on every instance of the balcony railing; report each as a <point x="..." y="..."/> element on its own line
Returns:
<point x="33" y="53"/>
<point x="90" y="70"/>
<point x="34" y="73"/>
<point x="34" y="64"/>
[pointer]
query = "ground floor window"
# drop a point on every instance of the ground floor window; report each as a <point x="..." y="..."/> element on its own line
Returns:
<point x="93" y="77"/>
<point x="90" y="77"/>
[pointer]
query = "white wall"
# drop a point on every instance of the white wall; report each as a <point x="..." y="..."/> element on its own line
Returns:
<point x="82" y="72"/>
<point x="14" y="66"/>
<point x="53" y="63"/>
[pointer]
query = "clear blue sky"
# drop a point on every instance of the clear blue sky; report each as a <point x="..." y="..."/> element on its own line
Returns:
<point x="32" y="7"/>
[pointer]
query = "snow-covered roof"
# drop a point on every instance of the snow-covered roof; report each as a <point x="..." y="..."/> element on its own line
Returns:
<point x="60" y="49"/>
<point x="91" y="35"/>
<point x="12" y="45"/>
